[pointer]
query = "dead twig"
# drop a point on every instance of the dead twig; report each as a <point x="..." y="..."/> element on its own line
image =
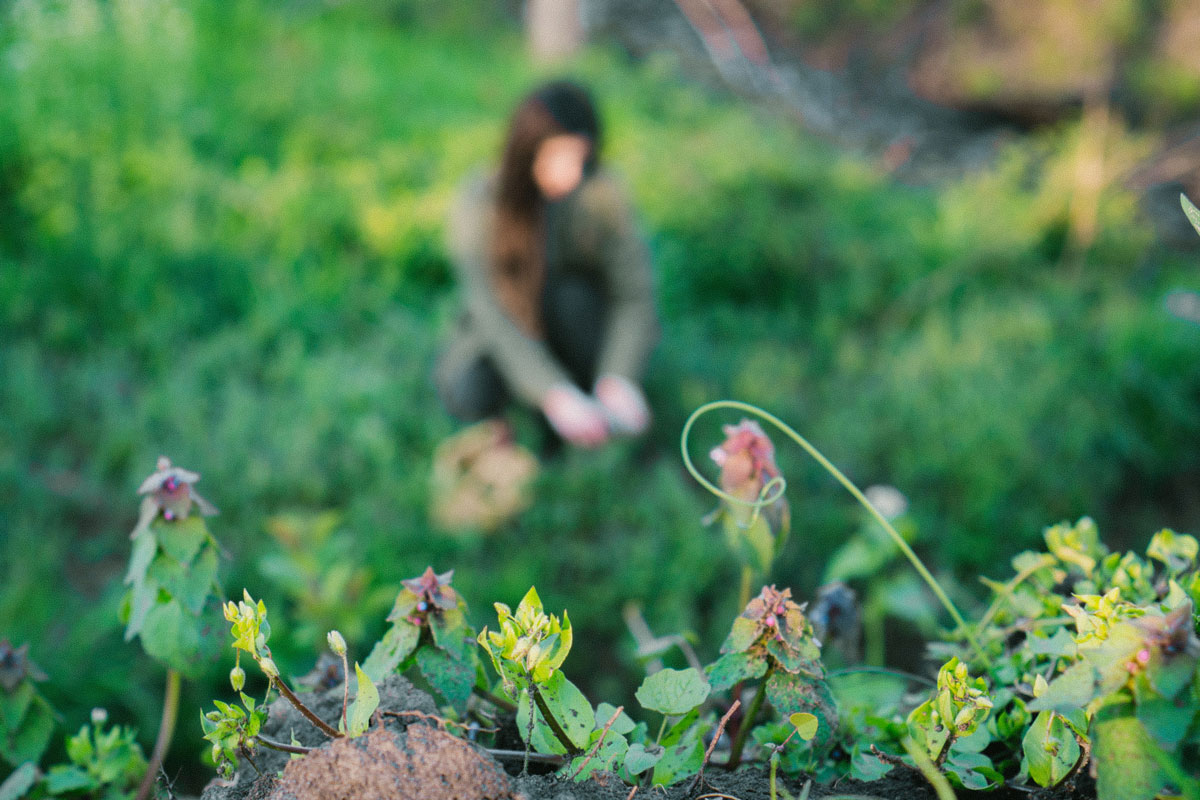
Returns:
<point x="537" y="758"/>
<point x="632" y="792"/>
<point x="296" y="749"/>
<point x="599" y="742"/>
<point x="712" y="745"/>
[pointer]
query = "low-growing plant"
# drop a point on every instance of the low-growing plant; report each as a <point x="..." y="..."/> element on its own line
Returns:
<point x="235" y="731"/>
<point x="430" y="633"/>
<point x="103" y="763"/>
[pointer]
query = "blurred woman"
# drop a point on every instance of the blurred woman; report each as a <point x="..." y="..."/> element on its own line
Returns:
<point x="559" y="312"/>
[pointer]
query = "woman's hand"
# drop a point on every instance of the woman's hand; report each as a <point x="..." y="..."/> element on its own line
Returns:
<point x="575" y="416"/>
<point x="625" y="404"/>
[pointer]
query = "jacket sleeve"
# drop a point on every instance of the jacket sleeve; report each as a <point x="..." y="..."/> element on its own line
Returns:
<point x="632" y="326"/>
<point x="525" y="364"/>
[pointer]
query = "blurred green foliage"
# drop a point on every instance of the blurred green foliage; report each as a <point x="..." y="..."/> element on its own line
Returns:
<point x="220" y="240"/>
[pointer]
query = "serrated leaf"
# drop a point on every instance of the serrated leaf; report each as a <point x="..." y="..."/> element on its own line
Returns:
<point x="358" y="716"/>
<point x="673" y="691"/>
<point x="452" y="679"/>
<point x="17" y="784"/>
<point x="732" y="668"/>
<point x="396" y="645"/>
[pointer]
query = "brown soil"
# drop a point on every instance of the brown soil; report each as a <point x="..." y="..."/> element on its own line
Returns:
<point x="423" y="762"/>
<point x="405" y="759"/>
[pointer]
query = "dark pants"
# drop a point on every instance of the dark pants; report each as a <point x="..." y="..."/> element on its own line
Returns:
<point x="573" y="317"/>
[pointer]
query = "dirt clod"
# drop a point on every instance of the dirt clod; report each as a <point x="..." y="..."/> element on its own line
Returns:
<point x="422" y="762"/>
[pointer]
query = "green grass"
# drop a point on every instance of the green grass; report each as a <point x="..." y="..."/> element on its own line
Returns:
<point x="220" y="240"/>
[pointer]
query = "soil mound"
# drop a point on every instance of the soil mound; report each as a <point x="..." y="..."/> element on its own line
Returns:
<point x="423" y="762"/>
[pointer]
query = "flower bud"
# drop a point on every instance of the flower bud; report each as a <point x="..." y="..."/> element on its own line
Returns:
<point x="336" y="643"/>
<point x="99" y="716"/>
<point x="237" y="678"/>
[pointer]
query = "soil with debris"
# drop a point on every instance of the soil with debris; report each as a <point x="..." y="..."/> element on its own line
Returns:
<point x="406" y="755"/>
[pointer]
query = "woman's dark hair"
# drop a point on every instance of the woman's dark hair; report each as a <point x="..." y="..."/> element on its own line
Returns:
<point x="517" y="258"/>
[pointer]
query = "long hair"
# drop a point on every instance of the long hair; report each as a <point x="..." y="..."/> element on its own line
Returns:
<point x="518" y="268"/>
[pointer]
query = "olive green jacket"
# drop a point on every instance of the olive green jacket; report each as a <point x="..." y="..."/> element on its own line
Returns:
<point x="591" y="233"/>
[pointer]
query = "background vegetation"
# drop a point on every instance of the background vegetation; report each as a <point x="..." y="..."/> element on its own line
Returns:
<point x="220" y="240"/>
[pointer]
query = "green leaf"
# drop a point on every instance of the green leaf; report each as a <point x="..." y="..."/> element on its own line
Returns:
<point x="743" y="634"/>
<point x="1060" y="645"/>
<point x="973" y="771"/>
<point x="804" y="723"/>
<point x="17" y="784"/>
<point x="453" y="679"/>
<point x="791" y="693"/>
<point x="14" y="706"/>
<point x="673" y="691"/>
<point x="172" y="636"/>
<point x="181" y="539"/>
<point x="1126" y="767"/>
<point x="732" y="668"/>
<point x="1193" y="214"/>
<point x="395" y="646"/>
<point x="358" y="717"/>
<point x="683" y="751"/>
<point x="63" y="779"/>
<point x="452" y="633"/>
<point x="145" y="545"/>
<point x="610" y="753"/>
<point x="622" y="724"/>
<point x="1074" y="689"/>
<point x="641" y="757"/>
<point x="567" y="703"/>
<point x="1050" y="749"/>
<point x="33" y="734"/>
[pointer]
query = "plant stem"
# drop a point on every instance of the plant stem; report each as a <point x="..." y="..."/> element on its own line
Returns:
<point x="321" y="725"/>
<point x="166" y="729"/>
<point x="345" y="690"/>
<point x="932" y="774"/>
<point x="548" y="715"/>
<point x="918" y="565"/>
<point x="739" y="741"/>
<point x="497" y="701"/>
<point x="297" y="749"/>
<point x="540" y="758"/>
<point x="744" y="593"/>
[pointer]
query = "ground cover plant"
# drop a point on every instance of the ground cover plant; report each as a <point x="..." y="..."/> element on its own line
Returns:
<point x="262" y="223"/>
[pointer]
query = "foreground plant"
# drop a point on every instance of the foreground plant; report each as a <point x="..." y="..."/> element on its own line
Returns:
<point x="235" y="731"/>
<point x="172" y="579"/>
<point x="430" y="633"/>
<point x="772" y="642"/>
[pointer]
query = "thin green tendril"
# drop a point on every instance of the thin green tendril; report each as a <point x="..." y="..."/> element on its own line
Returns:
<point x="764" y="499"/>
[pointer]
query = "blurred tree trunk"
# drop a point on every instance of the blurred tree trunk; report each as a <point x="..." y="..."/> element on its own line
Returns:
<point x="554" y="29"/>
